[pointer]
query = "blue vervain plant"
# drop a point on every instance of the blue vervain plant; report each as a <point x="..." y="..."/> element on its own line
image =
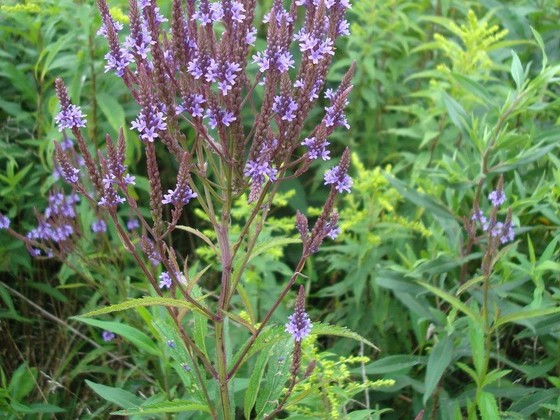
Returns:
<point x="233" y="128"/>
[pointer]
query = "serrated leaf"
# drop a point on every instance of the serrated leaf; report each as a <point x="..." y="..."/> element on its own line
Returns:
<point x="118" y="396"/>
<point x="488" y="406"/>
<point x="168" y="331"/>
<point x="254" y="383"/>
<point x="144" y="301"/>
<point x="135" y="336"/>
<point x="177" y="406"/>
<point x="335" y="330"/>
<point x="278" y="369"/>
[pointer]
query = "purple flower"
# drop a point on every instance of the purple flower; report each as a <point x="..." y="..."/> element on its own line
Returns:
<point x="285" y="107"/>
<point x="69" y="117"/>
<point x="165" y="280"/>
<point x="233" y="10"/>
<point x="150" y="121"/>
<point x="118" y="61"/>
<point x="139" y="40"/>
<point x="314" y="47"/>
<point x="478" y="216"/>
<point x="497" y="197"/>
<point x="192" y="103"/>
<point x="66" y="143"/>
<point x="274" y="58"/>
<point x="217" y="116"/>
<point x="279" y="13"/>
<point x="503" y="231"/>
<point x="339" y="178"/>
<point x="317" y="148"/>
<point x="171" y="344"/>
<point x="132" y="224"/>
<point x="251" y="36"/>
<point x="102" y="31"/>
<point x="179" y="196"/>
<point x="299" y="325"/>
<point x="99" y="226"/>
<point x="208" y="13"/>
<point x="4" y="222"/>
<point x="223" y="73"/>
<point x="186" y="367"/>
<point x="108" y="336"/>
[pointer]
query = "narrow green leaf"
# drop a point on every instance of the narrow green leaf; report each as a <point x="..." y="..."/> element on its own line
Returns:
<point x="523" y="315"/>
<point x="439" y="360"/>
<point x="320" y="328"/>
<point x="255" y="383"/>
<point x="144" y="301"/>
<point x="176" y="406"/>
<point x="517" y="70"/>
<point x="452" y="300"/>
<point x="112" y="109"/>
<point x="115" y="395"/>
<point x="458" y="115"/>
<point x="135" y="336"/>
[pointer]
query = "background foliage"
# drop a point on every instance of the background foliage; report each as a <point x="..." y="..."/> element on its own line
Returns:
<point x="449" y="96"/>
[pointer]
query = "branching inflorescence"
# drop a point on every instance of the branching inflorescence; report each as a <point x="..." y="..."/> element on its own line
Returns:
<point x="199" y="69"/>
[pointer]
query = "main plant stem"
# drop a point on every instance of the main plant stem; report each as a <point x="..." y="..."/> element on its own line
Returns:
<point x="222" y="232"/>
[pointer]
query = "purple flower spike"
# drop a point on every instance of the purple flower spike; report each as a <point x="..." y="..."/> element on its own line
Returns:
<point x="317" y="148"/>
<point x="497" y="197"/>
<point x="150" y="121"/>
<point x="4" y="222"/>
<point x="179" y="196"/>
<point x="299" y="325"/>
<point x="99" y="226"/>
<point x="217" y="116"/>
<point x="165" y="280"/>
<point x="222" y="73"/>
<point x="108" y="336"/>
<point x="339" y="178"/>
<point x="285" y="107"/>
<point x="70" y="117"/>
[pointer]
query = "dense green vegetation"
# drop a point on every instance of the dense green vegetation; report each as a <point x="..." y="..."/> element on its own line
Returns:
<point x="452" y="99"/>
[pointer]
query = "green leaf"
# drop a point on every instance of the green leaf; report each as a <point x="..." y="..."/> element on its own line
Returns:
<point x="524" y="315"/>
<point x="277" y="373"/>
<point x="112" y="109"/>
<point x="255" y="383"/>
<point x="488" y="406"/>
<point x="22" y="382"/>
<point x="176" y="406"/>
<point x="517" y="70"/>
<point x="439" y="360"/>
<point x="168" y="331"/>
<point x="540" y="43"/>
<point x="320" y="328"/>
<point x="144" y="301"/>
<point x="135" y="336"/>
<point x="452" y="300"/>
<point x="115" y="395"/>
<point x="458" y="115"/>
<point x="393" y="364"/>
<point x="420" y="199"/>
